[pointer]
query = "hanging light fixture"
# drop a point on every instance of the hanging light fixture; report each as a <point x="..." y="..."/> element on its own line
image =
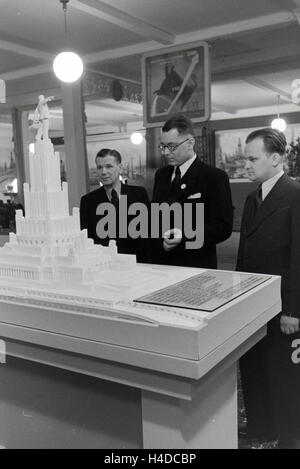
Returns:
<point x="31" y="148"/>
<point x="136" y="138"/>
<point x="67" y="65"/>
<point x="278" y="123"/>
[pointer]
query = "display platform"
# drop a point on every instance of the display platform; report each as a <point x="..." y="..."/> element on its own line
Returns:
<point x="183" y="360"/>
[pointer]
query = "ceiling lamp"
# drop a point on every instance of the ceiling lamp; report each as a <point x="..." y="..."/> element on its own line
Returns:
<point x="31" y="148"/>
<point x="136" y="138"/>
<point x="278" y="123"/>
<point x="67" y="65"/>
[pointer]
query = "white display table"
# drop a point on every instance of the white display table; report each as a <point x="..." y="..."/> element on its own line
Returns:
<point x="183" y="361"/>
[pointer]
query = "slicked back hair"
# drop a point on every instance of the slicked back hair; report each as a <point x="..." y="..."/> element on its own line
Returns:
<point x="107" y="151"/>
<point x="181" y="123"/>
<point x="274" y="140"/>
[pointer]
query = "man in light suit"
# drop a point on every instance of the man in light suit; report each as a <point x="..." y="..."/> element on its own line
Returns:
<point x="108" y="164"/>
<point x="270" y="244"/>
<point x="187" y="180"/>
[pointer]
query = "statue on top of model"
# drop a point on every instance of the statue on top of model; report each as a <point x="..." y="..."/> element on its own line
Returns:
<point x="41" y="117"/>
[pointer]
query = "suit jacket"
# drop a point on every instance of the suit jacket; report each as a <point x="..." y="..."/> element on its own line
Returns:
<point x="212" y="186"/>
<point x="270" y="240"/>
<point x="270" y="244"/>
<point x="89" y="218"/>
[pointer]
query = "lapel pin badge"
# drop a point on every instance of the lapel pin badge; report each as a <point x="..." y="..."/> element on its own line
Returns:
<point x="183" y="186"/>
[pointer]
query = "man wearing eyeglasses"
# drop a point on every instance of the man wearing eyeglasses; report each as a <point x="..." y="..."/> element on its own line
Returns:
<point x="188" y="180"/>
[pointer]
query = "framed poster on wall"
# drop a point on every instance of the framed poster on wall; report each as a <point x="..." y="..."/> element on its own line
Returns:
<point x="176" y="80"/>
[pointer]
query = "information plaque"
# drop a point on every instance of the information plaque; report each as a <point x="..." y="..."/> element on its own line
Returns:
<point x="206" y="291"/>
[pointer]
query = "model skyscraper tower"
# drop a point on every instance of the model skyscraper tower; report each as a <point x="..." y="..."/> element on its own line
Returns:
<point x="49" y="245"/>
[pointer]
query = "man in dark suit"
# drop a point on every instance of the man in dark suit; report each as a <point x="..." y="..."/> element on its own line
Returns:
<point x="270" y="244"/>
<point x="187" y="180"/>
<point x="108" y="164"/>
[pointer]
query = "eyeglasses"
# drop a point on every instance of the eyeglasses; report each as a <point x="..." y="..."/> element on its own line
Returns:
<point x="171" y="146"/>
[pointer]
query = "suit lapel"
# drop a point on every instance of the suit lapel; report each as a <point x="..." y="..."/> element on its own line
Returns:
<point x="130" y="192"/>
<point x="188" y="181"/>
<point x="269" y="205"/>
<point x="103" y="196"/>
<point x="165" y="183"/>
<point x="192" y="173"/>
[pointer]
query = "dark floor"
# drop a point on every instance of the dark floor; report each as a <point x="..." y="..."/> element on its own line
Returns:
<point x="227" y="253"/>
<point x="244" y="443"/>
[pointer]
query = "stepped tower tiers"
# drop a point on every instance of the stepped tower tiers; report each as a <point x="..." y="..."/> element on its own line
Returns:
<point x="48" y="246"/>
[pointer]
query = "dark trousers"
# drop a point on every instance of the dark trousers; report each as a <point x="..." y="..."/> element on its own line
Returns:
<point x="271" y="387"/>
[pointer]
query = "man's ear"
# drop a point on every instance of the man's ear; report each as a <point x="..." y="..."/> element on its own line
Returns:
<point x="192" y="141"/>
<point x="276" y="159"/>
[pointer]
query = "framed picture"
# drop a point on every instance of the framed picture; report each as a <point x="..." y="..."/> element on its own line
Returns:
<point x="229" y="152"/>
<point x="176" y="79"/>
<point x="230" y="146"/>
<point x="229" y="156"/>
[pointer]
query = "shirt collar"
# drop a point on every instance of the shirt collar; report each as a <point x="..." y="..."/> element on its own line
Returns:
<point x="185" y="166"/>
<point x="268" y="185"/>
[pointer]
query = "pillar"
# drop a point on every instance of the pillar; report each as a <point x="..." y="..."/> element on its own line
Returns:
<point x="75" y="142"/>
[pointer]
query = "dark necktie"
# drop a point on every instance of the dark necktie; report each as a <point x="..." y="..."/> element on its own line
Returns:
<point x="114" y="198"/>
<point x="258" y="196"/>
<point x="176" y="181"/>
<point x="115" y="201"/>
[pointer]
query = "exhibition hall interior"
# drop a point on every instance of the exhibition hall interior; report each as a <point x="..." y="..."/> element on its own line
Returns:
<point x="104" y="362"/>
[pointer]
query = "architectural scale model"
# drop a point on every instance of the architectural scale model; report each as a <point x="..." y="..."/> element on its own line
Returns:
<point x="54" y="278"/>
<point x="48" y="246"/>
<point x="50" y="259"/>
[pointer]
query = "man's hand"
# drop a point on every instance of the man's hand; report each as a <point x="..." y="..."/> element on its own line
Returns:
<point x="171" y="239"/>
<point x="289" y="325"/>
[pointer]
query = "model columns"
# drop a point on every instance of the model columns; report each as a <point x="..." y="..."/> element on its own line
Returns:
<point x="75" y="142"/>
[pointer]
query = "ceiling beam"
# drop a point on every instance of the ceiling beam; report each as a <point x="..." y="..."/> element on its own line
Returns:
<point x="118" y="52"/>
<point x="257" y="58"/>
<point x="120" y="105"/>
<point x="223" y="108"/>
<point x="266" y="86"/>
<point x="24" y="50"/>
<point x="257" y="69"/>
<point x="110" y="75"/>
<point x="112" y="15"/>
<point x="26" y="72"/>
<point x="226" y="30"/>
<point x="260" y="23"/>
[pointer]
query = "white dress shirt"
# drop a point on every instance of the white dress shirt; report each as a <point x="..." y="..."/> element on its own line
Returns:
<point x="184" y="167"/>
<point x="268" y="185"/>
